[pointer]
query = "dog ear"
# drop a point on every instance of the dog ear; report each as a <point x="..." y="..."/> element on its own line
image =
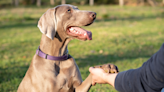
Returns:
<point x="48" y="23"/>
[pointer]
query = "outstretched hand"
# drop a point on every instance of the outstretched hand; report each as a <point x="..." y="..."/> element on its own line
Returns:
<point x="98" y="75"/>
<point x="101" y="77"/>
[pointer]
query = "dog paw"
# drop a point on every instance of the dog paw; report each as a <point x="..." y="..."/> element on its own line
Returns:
<point x="108" y="68"/>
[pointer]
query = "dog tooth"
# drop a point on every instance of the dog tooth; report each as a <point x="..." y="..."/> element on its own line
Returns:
<point x="71" y="29"/>
<point x="85" y="34"/>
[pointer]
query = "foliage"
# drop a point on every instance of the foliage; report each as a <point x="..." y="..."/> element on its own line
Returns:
<point x="127" y="38"/>
<point x="98" y="2"/>
<point x="105" y="16"/>
<point x="7" y="3"/>
<point x="106" y="1"/>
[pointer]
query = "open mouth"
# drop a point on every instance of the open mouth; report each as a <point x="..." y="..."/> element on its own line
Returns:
<point x="79" y="33"/>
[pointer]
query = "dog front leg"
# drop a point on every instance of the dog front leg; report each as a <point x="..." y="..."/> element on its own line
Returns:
<point x="85" y="85"/>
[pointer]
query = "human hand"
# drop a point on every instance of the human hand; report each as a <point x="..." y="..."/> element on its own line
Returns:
<point x="98" y="75"/>
<point x="101" y="77"/>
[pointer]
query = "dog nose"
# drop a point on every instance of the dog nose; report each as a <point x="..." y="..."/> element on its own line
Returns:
<point x="92" y="15"/>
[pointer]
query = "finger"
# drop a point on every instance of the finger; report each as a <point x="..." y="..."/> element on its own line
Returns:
<point x="93" y="83"/>
<point x="90" y="69"/>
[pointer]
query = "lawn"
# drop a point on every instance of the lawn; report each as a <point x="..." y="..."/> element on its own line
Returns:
<point x="125" y="36"/>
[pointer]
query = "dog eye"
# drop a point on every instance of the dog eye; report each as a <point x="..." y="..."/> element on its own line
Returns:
<point x="69" y="10"/>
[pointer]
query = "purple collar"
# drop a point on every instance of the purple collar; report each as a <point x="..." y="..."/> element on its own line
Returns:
<point x="46" y="56"/>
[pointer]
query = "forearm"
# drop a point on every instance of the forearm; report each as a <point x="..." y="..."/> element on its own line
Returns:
<point x="148" y="78"/>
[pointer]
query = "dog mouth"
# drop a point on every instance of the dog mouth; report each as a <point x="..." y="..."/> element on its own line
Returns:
<point x="79" y="33"/>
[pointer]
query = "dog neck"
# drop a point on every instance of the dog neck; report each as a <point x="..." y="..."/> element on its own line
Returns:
<point x="56" y="47"/>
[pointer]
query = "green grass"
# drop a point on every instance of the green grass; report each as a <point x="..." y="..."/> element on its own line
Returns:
<point x="126" y="37"/>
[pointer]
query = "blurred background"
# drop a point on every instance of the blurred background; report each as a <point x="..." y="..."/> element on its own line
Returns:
<point x="4" y="3"/>
<point x="125" y="33"/>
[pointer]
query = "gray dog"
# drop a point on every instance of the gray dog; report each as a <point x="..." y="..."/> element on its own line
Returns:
<point x="52" y="69"/>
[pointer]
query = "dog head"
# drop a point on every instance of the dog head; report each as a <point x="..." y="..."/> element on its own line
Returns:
<point x="66" y="19"/>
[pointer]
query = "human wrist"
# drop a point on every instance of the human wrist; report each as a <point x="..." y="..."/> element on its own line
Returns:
<point x="110" y="78"/>
<point x="105" y="77"/>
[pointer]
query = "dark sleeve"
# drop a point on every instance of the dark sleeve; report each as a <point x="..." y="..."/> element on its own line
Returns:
<point x="148" y="78"/>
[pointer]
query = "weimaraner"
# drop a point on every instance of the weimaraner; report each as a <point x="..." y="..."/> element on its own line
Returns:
<point x="52" y="69"/>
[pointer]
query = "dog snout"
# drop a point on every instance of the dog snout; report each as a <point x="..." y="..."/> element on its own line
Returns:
<point x="92" y="15"/>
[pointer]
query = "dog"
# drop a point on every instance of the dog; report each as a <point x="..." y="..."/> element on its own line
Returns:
<point x="52" y="69"/>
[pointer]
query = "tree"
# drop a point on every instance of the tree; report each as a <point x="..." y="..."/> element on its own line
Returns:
<point x="121" y="2"/>
<point x="15" y="2"/>
<point x="52" y="2"/>
<point x="91" y="2"/>
<point x="38" y="2"/>
<point x="141" y="2"/>
<point x="32" y="1"/>
<point x="63" y="2"/>
<point x="152" y="2"/>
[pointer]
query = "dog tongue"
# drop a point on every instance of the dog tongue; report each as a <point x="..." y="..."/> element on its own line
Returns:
<point x="80" y="33"/>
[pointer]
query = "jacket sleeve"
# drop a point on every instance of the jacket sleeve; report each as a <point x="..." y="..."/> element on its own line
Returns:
<point x="148" y="78"/>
